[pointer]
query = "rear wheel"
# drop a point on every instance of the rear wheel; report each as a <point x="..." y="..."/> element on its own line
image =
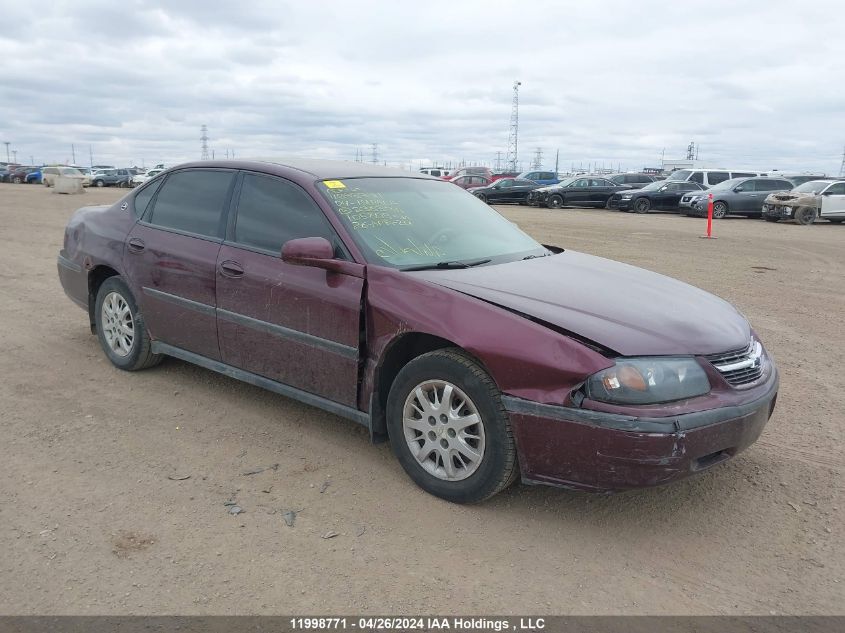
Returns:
<point x="481" y="197"/>
<point x="805" y="215"/>
<point x="642" y="205"/>
<point x="121" y="329"/>
<point x="99" y="183"/>
<point x="555" y="202"/>
<point x="17" y="180"/>
<point x="449" y="429"/>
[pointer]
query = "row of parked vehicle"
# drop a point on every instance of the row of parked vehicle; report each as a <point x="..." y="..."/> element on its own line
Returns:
<point x="802" y="197"/>
<point x="97" y="176"/>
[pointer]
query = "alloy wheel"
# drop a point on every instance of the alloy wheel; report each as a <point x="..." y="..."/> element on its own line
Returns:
<point x="118" y="324"/>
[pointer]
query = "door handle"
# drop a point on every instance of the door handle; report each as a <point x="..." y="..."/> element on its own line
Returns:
<point x="231" y="269"/>
<point x="135" y="245"/>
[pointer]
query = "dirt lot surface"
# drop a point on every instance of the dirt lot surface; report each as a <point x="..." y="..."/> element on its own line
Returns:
<point x="97" y="515"/>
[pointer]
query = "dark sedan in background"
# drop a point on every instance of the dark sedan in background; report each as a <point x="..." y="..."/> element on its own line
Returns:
<point x="580" y="191"/>
<point x="657" y="196"/>
<point x="633" y="180"/>
<point x="505" y="190"/>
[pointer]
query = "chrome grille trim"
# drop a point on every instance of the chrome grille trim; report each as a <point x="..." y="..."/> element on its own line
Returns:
<point x="740" y="367"/>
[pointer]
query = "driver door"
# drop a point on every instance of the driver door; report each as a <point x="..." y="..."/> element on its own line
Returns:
<point x="833" y="201"/>
<point x="296" y="325"/>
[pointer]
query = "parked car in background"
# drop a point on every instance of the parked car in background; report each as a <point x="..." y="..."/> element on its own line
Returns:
<point x="655" y="196"/>
<point x="6" y="171"/>
<point x="579" y="191"/>
<point x="815" y="199"/>
<point x="471" y="171"/>
<point x="49" y="175"/>
<point x="34" y="177"/>
<point x="796" y="178"/>
<point x="632" y="180"/>
<point x="505" y="190"/>
<point x="467" y="182"/>
<point x="417" y="311"/>
<point x="738" y="196"/>
<point x="711" y="177"/>
<point x="498" y="175"/>
<point x="437" y="172"/>
<point x="540" y="177"/>
<point x="111" y="178"/>
<point x="140" y="179"/>
<point x="19" y="174"/>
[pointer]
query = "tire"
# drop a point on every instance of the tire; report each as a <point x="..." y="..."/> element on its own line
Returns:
<point x="481" y="197"/>
<point x="464" y="480"/>
<point x="555" y="201"/>
<point x="768" y="219"/>
<point x="99" y="183"/>
<point x="720" y="209"/>
<point x="16" y="180"/>
<point x="642" y="205"/>
<point x="46" y="184"/>
<point x="805" y="215"/>
<point x="135" y="355"/>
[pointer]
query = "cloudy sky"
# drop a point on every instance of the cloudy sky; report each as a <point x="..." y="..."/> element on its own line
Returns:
<point x="757" y="84"/>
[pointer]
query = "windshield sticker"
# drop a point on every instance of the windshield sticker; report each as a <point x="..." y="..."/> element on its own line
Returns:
<point x="334" y="184"/>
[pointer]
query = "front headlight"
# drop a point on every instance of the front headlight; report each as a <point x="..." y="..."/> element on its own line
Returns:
<point x="648" y="381"/>
<point x="627" y="196"/>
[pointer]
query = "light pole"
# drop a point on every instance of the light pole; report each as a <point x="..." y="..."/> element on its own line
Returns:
<point x="7" y="143"/>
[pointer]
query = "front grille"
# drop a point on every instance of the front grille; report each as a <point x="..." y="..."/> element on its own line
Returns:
<point x="740" y="366"/>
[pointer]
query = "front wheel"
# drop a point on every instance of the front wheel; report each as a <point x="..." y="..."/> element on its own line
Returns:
<point x="449" y="429"/>
<point x="99" y="183"/>
<point x="805" y="215"/>
<point x="642" y="205"/>
<point x="555" y="202"/>
<point x="121" y="329"/>
<point x="481" y="197"/>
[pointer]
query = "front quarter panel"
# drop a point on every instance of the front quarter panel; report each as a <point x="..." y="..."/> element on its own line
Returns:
<point x="524" y="358"/>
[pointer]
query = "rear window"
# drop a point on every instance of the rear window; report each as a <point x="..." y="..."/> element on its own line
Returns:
<point x="192" y="201"/>
<point x="715" y="177"/>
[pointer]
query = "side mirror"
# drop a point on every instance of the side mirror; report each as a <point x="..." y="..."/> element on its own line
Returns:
<point x="309" y="251"/>
<point x="738" y="189"/>
<point x="827" y="193"/>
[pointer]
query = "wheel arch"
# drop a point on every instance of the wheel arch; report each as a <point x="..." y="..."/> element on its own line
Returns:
<point x="400" y="351"/>
<point x="96" y="277"/>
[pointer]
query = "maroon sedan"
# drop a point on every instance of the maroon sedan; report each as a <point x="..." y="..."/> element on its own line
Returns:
<point x="409" y="306"/>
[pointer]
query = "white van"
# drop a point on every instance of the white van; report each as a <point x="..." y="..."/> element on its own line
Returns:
<point x="439" y="172"/>
<point x="710" y="177"/>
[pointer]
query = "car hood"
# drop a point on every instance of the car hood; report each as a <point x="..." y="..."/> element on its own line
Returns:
<point x="631" y="191"/>
<point x="629" y="310"/>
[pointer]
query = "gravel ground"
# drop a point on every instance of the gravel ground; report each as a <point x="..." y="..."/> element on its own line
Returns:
<point x="97" y="516"/>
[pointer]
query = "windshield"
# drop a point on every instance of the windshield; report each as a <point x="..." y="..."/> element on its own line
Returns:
<point x="814" y="186"/>
<point x="402" y="222"/>
<point x="681" y="174"/>
<point x="69" y="171"/>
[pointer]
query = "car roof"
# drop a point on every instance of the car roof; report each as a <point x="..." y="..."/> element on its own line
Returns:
<point x="318" y="169"/>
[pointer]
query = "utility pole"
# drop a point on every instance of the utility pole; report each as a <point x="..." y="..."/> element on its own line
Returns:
<point x="375" y="154"/>
<point x="841" y="167"/>
<point x="91" y="155"/>
<point x="73" y="152"/>
<point x="557" y="161"/>
<point x="15" y="156"/>
<point x="204" y="140"/>
<point x="513" y="138"/>
<point x="7" y="143"/>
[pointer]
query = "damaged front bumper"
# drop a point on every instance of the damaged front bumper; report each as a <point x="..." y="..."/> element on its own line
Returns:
<point x="596" y="451"/>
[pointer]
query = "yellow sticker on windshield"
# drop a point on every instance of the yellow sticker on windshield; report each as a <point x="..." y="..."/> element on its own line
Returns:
<point x="334" y="184"/>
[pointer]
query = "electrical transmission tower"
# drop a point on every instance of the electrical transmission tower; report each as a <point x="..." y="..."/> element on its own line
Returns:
<point x="537" y="163"/>
<point x="204" y="139"/>
<point x="498" y="161"/>
<point x="691" y="151"/>
<point x="513" y="139"/>
<point x="374" y="159"/>
<point x="842" y="166"/>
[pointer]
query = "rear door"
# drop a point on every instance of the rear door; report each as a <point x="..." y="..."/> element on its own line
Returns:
<point x="171" y="255"/>
<point x="297" y="325"/>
